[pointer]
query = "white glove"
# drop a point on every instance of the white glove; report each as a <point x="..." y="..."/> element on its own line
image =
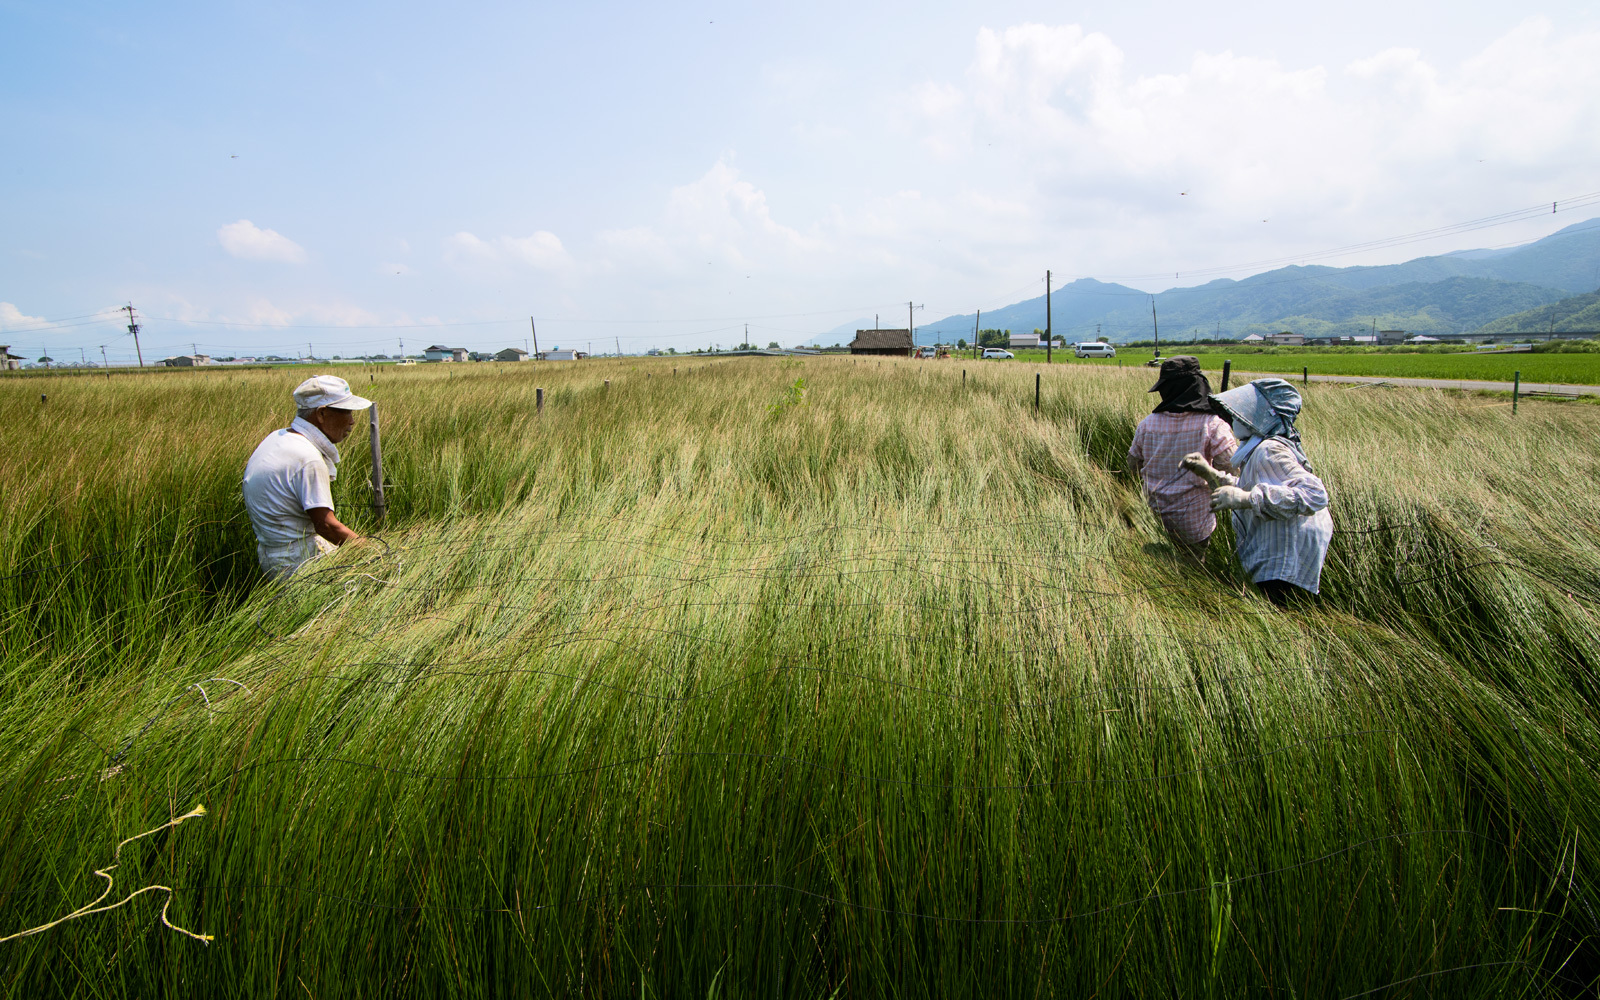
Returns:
<point x="1197" y="464"/>
<point x="1230" y="498"/>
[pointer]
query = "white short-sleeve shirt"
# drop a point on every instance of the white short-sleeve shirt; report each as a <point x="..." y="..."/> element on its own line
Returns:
<point x="285" y="477"/>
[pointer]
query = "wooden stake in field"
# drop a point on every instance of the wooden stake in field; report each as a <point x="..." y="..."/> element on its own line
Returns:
<point x="1036" y="394"/>
<point x="1227" y="366"/>
<point x="1516" y="389"/>
<point x="538" y="402"/>
<point x="379" y="505"/>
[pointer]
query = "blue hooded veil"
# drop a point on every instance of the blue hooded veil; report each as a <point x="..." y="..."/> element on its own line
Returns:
<point x="1268" y="406"/>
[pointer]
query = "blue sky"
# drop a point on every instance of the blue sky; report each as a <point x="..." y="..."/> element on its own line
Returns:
<point x="258" y="177"/>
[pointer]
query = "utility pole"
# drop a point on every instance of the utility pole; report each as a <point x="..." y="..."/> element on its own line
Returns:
<point x="103" y="360"/>
<point x="133" y="328"/>
<point x="619" y="339"/>
<point x="310" y="354"/>
<point x="82" y="357"/>
<point x="911" y="322"/>
<point x="977" y="328"/>
<point x="1155" y="325"/>
<point x="1047" y="337"/>
<point x="535" y="328"/>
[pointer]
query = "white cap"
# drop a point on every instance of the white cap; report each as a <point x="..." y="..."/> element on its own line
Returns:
<point x="328" y="390"/>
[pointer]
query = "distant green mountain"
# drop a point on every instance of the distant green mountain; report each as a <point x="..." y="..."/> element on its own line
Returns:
<point x="1440" y="296"/>
<point x="1578" y="314"/>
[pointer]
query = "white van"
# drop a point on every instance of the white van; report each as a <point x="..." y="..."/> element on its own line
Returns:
<point x="1094" y="349"/>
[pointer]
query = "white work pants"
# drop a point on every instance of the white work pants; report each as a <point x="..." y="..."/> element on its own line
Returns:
<point x="280" y="561"/>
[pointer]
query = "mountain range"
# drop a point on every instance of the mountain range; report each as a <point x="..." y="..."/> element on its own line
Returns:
<point x="1442" y="295"/>
<point x="1579" y="314"/>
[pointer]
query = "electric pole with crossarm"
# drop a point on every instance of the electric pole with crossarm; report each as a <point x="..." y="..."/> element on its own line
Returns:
<point x="133" y="328"/>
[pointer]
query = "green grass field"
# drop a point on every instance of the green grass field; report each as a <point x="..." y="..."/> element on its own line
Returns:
<point x="711" y="681"/>
<point x="1574" y="369"/>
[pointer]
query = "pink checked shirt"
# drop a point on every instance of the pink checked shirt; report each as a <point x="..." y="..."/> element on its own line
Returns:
<point x="1181" y="499"/>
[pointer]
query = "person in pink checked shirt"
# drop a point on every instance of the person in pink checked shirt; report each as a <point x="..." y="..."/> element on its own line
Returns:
<point x="1184" y="422"/>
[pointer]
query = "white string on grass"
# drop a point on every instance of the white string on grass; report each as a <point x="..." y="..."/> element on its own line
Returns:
<point x="93" y="907"/>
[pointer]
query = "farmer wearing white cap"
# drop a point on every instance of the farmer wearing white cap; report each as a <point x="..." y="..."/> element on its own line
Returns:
<point x="1281" y="521"/>
<point x="288" y="480"/>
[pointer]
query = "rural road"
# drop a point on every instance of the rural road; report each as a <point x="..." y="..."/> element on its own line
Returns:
<point x="1435" y="383"/>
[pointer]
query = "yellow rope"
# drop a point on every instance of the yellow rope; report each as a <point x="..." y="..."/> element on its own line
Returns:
<point x="91" y="907"/>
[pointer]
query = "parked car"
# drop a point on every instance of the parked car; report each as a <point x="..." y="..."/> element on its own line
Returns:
<point x="1094" y="349"/>
<point x="995" y="352"/>
<point x="926" y="352"/>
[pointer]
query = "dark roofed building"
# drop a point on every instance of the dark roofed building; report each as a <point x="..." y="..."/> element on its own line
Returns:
<point x="895" y="343"/>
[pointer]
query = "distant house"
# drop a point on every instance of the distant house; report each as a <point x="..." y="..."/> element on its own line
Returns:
<point x="1287" y="339"/>
<point x="1017" y="340"/>
<point x="1387" y="337"/>
<point x="1252" y="338"/>
<point x="438" y="353"/>
<point x="1422" y="338"/>
<point x="512" y="354"/>
<point x="560" y="354"/>
<point x="187" y="360"/>
<point x="893" y="343"/>
<point x="1340" y="341"/>
<point x="9" y="362"/>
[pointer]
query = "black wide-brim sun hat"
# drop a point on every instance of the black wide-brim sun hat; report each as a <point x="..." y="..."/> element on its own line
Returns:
<point x="1183" y="366"/>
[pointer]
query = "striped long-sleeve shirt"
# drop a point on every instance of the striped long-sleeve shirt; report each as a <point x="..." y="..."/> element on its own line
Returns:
<point x="1285" y="533"/>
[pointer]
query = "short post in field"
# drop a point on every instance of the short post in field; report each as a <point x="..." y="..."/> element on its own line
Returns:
<point x="43" y="399"/>
<point x="608" y="384"/>
<point x="963" y="378"/>
<point x="538" y="402"/>
<point x="1036" y="393"/>
<point x="379" y="505"/>
<point x="1516" y="389"/>
<point x="1227" y="367"/>
<point x="1305" y="376"/>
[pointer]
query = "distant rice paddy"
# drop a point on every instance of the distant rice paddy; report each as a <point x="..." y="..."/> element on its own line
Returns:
<point x="1574" y="369"/>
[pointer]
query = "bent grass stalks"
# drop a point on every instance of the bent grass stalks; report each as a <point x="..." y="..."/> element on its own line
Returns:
<point x="905" y="692"/>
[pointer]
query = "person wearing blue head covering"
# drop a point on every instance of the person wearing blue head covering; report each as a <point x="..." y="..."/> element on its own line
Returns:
<point x="1281" y="522"/>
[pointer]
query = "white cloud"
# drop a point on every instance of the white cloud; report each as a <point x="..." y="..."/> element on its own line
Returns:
<point x="12" y="318"/>
<point x="1179" y="166"/>
<point x="243" y="239"/>
<point x="720" y="219"/>
<point x="261" y="312"/>
<point x="542" y="251"/>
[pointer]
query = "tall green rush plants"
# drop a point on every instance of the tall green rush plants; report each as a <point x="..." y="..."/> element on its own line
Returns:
<point x="899" y="691"/>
